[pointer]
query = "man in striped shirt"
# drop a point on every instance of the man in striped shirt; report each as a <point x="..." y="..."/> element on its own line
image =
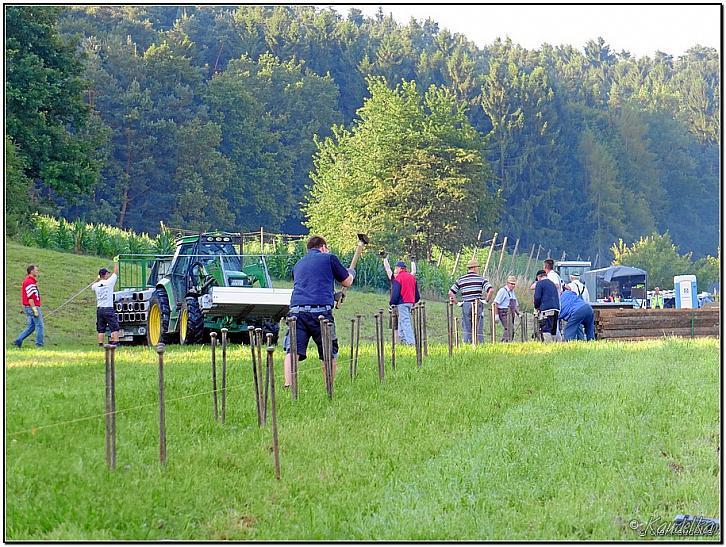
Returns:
<point x="30" y="298"/>
<point x="472" y="287"/>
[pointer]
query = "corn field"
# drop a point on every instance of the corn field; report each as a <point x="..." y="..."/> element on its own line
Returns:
<point x="92" y="239"/>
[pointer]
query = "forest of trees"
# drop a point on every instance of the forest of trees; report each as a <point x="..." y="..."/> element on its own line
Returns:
<point x="224" y="116"/>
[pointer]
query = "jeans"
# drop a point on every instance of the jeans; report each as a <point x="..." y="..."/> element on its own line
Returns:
<point x="466" y="321"/>
<point x="34" y="324"/>
<point x="582" y="316"/>
<point x="405" y="330"/>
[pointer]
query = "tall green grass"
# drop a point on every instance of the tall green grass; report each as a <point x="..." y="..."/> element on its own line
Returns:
<point x="505" y="442"/>
<point x="519" y="441"/>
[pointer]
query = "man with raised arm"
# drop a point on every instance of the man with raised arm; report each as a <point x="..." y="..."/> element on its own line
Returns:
<point x="313" y="295"/>
<point x="105" y="313"/>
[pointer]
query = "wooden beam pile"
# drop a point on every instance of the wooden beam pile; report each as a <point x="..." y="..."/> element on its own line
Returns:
<point x="639" y="324"/>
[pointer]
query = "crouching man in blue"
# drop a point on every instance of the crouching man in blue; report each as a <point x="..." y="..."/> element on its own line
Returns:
<point x="312" y="295"/>
<point x="576" y="312"/>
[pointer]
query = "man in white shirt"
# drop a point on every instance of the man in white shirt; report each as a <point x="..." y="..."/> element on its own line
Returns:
<point x="552" y="275"/>
<point x="105" y="313"/>
<point x="578" y="287"/>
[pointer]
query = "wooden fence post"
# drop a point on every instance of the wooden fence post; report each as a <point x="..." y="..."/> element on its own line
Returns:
<point x="162" y="410"/>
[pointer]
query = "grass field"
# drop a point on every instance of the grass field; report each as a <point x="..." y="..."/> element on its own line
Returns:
<point x="520" y="441"/>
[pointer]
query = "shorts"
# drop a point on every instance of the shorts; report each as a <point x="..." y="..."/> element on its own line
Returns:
<point x="106" y="317"/>
<point x="308" y="326"/>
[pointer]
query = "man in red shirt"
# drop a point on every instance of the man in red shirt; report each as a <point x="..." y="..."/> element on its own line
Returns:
<point x="404" y="294"/>
<point x="30" y="298"/>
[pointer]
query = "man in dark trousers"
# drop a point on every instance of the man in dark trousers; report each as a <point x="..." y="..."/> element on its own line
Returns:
<point x="105" y="313"/>
<point x="314" y="276"/>
<point x="577" y="313"/>
<point x="472" y="287"/>
<point x="547" y="304"/>
<point x="30" y="298"/>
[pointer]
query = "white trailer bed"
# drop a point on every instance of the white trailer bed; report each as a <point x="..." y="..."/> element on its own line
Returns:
<point x="244" y="302"/>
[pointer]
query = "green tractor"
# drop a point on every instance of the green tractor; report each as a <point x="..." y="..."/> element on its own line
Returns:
<point x="205" y="286"/>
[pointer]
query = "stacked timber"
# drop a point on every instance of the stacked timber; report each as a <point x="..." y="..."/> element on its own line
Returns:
<point x="639" y="324"/>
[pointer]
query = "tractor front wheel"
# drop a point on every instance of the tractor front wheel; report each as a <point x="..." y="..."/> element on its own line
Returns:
<point x="157" y="322"/>
<point x="191" y="322"/>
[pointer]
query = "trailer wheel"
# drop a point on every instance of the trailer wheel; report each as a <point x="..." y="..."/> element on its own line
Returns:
<point x="191" y="322"/>
<point x="270" y="327"/>
<point x="157" y="322"/>
<point x="242" y="337"/>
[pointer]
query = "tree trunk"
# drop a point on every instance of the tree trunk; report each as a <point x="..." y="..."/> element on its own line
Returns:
<point x="125" y="195"/>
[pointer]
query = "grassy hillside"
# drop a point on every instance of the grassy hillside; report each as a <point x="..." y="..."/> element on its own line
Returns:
<point x="62" y="275"/>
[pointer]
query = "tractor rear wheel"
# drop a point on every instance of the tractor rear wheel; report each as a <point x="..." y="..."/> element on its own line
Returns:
<point x="157" y="322"/>
<point x="191" y="322"/>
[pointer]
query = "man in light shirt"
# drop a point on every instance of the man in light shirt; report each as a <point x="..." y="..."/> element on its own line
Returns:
<point x="105" y="313"/>
<point x="578" y="287"/>
<point x="507" y="307"/>
<point x="552" y="275"/>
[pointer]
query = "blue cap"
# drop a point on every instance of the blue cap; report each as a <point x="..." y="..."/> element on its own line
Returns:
<point x="401" y="264"/>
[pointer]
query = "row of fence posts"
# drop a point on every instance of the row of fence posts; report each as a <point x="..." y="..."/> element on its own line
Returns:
<point x="110" y="405"/>
<point x="419" y="324"/>
<point x="264" y="384"/>
<point x="452" y="325"/>
<point x="261" y="396"/>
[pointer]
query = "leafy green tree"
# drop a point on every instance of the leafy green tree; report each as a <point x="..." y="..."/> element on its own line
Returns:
<point x="708" y="270"/>
<point x="17" y="188"/>
<point x="45" y="114"/>
<point x="657" y="255"/>
<point x="410" y="173"/>
<point x="204" y="180"/>
<point x="604" y="193"/>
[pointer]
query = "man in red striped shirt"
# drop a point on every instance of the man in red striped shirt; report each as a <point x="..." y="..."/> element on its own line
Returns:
<point x="30" y="297"/>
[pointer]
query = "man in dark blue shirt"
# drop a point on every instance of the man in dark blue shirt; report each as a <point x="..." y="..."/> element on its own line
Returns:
<point x="314" y="276"/>
<point x="547" y="303"/>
